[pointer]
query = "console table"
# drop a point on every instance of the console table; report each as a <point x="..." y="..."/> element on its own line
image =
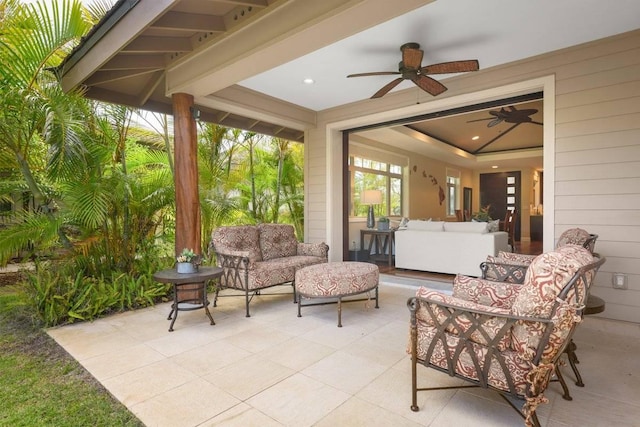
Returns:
<point x="383" y="242"/>
<point x="189" y="290"/>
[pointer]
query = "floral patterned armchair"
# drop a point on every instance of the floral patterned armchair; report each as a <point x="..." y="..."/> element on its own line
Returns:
<point x="503" y="336"/>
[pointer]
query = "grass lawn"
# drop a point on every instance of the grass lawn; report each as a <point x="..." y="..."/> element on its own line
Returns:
<point x="40" y="384"/>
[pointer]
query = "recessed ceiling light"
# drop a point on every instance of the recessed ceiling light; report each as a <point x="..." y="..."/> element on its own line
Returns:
<point x="494" y="167"/>
<point x="308" y="81"/>
<point x="475" y="138"/>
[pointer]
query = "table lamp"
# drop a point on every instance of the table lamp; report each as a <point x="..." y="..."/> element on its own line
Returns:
<point x="371" y="197"/>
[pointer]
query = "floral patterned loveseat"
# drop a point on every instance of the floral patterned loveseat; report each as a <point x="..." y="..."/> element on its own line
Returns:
<point x="256" y="257"/>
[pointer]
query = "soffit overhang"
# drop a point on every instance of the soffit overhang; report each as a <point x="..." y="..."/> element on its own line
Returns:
<point x="144" y="51"/>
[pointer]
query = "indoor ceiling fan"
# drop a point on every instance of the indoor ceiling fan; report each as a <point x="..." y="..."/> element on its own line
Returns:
<point x="410" y="69"/>
<point x="512" y="115"/>
<point x="509" y="115"/>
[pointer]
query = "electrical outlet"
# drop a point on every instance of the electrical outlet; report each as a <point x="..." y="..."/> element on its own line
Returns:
<point x="619" y="281"/>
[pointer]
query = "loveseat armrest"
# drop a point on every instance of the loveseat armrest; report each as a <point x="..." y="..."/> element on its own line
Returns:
<point x="485" y="292"/>
<point x="313" y="249"/>
<point x="235" y="268"/>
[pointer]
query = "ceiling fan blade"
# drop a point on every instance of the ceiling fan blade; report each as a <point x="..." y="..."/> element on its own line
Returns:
<point x="430" y="85"/>
<point x="480" y="120"/>
<point x="375" y="73"/>
<point x="494" y="122"/>
<point x="451" y="67"/>
<point x="386" y="88"/>
<point x="536" y="123"/>
<point x="412" y="58"/>
<point x="500" y="135"/>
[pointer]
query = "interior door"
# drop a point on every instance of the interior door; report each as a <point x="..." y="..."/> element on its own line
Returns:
<point x="502" y="191"/>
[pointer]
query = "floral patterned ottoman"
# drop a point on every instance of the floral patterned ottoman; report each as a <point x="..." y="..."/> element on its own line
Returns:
<point x="336" y="280"/>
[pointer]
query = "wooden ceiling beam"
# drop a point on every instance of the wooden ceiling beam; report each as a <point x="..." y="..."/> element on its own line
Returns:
<point x="130" y="62"/>
<point x="148" y="44"/>
<point x="255" y="3"/>
<point x="181" y="21"/>
<point x="101" y="77"/>
<point x="150" y="87"/>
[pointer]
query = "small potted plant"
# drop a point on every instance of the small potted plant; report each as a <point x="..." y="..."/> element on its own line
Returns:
<point x="482" y="215"/>
<point x="383" y="223"/>
<point x="187" y="261"/>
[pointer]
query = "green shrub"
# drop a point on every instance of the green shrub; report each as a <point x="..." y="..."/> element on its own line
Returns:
<point x="64" y="292"/>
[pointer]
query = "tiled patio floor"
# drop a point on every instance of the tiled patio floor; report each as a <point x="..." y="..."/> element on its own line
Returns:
<point x="275" y="369"/>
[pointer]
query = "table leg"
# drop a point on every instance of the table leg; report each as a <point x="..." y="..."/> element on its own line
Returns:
<point x="339" y="312"/>
<point x="173" y="314"/>
<point x="174" y="309"/>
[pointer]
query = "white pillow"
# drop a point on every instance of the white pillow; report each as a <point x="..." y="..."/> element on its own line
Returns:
<point x="493" y="226"/>
<point x="425" y="225"/>
<point x="466" y="227"/>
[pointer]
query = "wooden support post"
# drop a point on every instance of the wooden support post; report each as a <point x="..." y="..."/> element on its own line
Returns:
<point x="186" y="174"/>
<point x="188" y="225"/>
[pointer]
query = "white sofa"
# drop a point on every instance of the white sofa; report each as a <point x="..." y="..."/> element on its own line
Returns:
<point x="447" y="247"/>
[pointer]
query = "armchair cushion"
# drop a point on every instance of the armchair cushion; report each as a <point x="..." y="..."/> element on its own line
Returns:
<point x="524" y="259"/>
<point x="574" y="236"/>
<point x="547" y="275"/>
<point x="485" y="292"/>
<point x="242" y="240"/>
<point x="277" y="241"/>
<point x="504" y="270"/>
<point x="481" y="324"/>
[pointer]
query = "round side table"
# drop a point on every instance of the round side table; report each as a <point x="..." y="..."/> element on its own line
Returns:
<point x="189" y="290"/>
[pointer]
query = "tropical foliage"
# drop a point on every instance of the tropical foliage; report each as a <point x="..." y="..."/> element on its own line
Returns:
<point x="90" y="185"/>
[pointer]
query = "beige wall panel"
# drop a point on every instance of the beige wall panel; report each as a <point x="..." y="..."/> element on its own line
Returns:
<point x="596" y="217"/>
<point x="600" y="64"/>
<point x="617" y="249"/>
<point x="611" y="235"/>
<point x="598" y="110"/>
<point x="617" y="296"/>
<point x="617" y="201"/>
<point x="587" y="142"/>
<point x="603" y="78"/>
<point x="598" y="171"/>
<point x="598" y="126"/>
<point x="597" y="95"/>
<point x="598" y="186"/>
<point x="604" y="154"/>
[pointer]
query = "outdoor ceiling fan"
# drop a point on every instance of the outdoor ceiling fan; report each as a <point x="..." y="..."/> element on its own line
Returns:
<point x="410" y="68"/>
<point x="508" y="115"/>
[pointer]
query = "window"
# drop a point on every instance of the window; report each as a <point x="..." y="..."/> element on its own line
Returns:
<point x="369" y="174"/>
<point x="453" y="191"/>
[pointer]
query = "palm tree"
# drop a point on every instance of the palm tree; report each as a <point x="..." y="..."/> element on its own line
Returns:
<point x="35" y="113"/>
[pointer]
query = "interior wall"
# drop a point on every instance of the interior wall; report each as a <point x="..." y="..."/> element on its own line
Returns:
<point x="592" y="178"/>
<point x="424" y="177"/>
